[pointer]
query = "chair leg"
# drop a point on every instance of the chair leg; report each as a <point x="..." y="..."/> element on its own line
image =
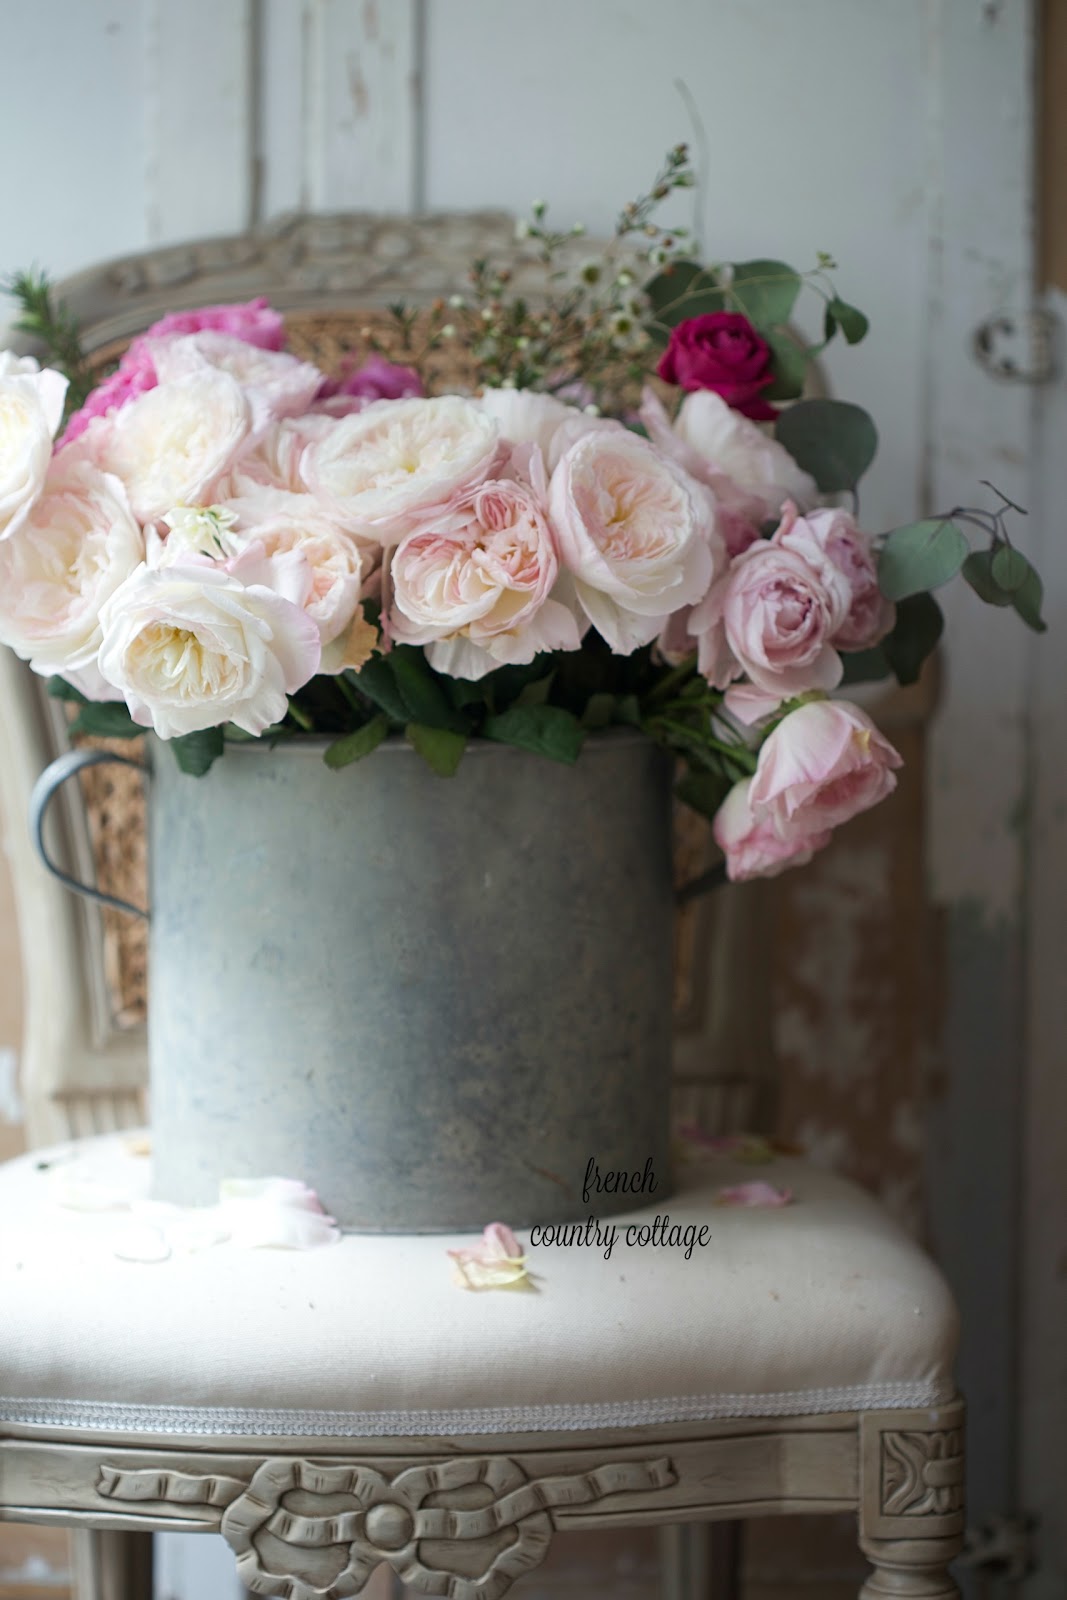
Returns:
<point x="910" y="1569"/>
<point x="701" y="1560"/>
<point x="109" y="1564"/>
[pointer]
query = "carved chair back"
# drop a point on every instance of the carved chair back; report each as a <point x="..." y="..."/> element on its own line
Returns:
<point x="85" y="982"/>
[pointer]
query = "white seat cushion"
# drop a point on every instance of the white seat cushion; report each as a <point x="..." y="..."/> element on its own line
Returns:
<point x="824" y="1305"/>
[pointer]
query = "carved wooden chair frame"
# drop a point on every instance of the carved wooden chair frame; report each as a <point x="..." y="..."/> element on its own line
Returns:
<point x="462" y="1516"/>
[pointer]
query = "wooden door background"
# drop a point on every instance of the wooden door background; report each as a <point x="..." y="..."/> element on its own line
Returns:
<point x="896" y="136"/>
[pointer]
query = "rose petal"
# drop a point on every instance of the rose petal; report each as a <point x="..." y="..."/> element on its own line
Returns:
<point x="757" y="1193"/>
<point x="497" y="1262"/>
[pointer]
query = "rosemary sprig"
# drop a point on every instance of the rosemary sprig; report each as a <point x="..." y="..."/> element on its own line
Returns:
<point x="49" y="321"/>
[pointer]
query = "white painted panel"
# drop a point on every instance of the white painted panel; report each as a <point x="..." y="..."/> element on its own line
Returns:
<point x="814" y="117"/>
<point x="71" y="133"/>
<point x="360" y="104"/>
<point x="284" y="41"/>
<point x="1044" y="1231"/>
<point x="198" y="117"/>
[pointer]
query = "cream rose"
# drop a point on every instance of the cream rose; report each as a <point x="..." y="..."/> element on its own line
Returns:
<point x="474" y="585"/>
<point x="526" y="417"/>
<point x="398" y="458"/>
<point x="274" y="384"/>
<point x="193" y="646"/>
<point x="31" y="409"/>
<point x="635" y="533"/>
<point x="77" y="545"/>
<point x="169" y="444"/>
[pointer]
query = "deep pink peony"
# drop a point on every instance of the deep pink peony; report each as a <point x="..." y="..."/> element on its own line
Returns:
<point x="255" y="322"/>
<point x="376" y="379"/>
<point x="723" y="352"/>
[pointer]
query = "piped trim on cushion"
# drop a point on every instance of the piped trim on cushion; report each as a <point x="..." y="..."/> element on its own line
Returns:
<point x="235" y="1422"/>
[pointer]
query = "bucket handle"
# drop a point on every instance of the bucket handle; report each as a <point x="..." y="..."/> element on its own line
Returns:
<point x="713" y="878"/>
<point x="47" y="786"/>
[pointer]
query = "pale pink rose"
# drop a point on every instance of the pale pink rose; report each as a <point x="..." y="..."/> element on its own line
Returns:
<point x="271" y="460"/>
<point x="771" y="617"/>
<point x="170" y="444"/>
<point x="823" y="763"/>
<point x="739" y="513"/>
<point x="751" y="843"/>
<point x="381" y="470"/>
<point x="275" y="385"/>
<point x="333" y="557"/>
<point x="636" y="535"/>
<point x="830" y="542"/>
<point x="733" y="444"/>
<point x="756" y="1193"/>
<point x="31" y="407"/>
<point x="193" y="646"/>
<point x="525" y="416"/>
<point x="475" y="584"/>
<point x="255" y="322"/>
<point x="496" y="1262"/>
<point x="78" y="544"/>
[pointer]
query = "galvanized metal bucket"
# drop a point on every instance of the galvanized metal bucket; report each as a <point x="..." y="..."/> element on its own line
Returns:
<point x="436" y="1001"/>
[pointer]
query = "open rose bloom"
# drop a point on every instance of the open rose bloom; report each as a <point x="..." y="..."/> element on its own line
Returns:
<point x="232" y="543"/>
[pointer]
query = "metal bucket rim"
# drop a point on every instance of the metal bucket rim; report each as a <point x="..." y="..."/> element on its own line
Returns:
<point x="315" y="744"/>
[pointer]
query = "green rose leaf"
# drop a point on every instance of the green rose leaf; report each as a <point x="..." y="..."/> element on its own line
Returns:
<point x="1009" y="568"/>
<point x="864" y="666"/>
<point x="978" y="572"/>
<point x="108" y="719"/>
<point x="197" y="752"/>
<point x="440" y="748"/>
<point x="921" y="556"/>
<point x="918" y="627"/>
<point x="839" y="314"/>
<point x="421" y="690"/>
<point x="60" y="689"/>
<point x="703" y="791"/>
<point x="834" y="441"/>
<point x="790" y="367"/>
<point x="354" y="746"/>
<point x="599" y="711"/>
<point x="765" y="291"/>
<point x="546" y="730"/>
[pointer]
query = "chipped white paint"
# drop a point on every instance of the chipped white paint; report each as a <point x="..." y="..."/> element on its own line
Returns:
<point x="981" y="262"/>
<point x="1044" y="1199"/>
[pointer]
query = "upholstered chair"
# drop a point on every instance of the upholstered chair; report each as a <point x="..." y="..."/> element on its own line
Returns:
<point x="333" y="1410"/>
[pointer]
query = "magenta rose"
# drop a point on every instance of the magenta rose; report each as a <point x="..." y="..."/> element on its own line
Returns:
<point x="722" y="352"/>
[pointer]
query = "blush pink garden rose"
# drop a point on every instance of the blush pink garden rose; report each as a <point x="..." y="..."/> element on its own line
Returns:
<point x="31" y="407"/>
<point x="722" y="352"/>
<point x="636" y="535"/>
<point x="171" y="443"/>
<point x="194" y="645"/>
<point x="381" y="470"/>
<point x="78" y="544"/>
<point x="475" y="584"/>
<point x="752" y="844"/>
<point x="823" y="764"/>
<point x="255" y="321"/>
<point x="772" y="617"/>
<point x="831" y="543"/>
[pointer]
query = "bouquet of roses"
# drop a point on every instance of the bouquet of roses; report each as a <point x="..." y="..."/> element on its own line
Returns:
<point x="631" y="517"/>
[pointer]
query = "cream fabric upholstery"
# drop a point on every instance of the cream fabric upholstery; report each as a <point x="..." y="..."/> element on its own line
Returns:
<point x="822" y="1306"/>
